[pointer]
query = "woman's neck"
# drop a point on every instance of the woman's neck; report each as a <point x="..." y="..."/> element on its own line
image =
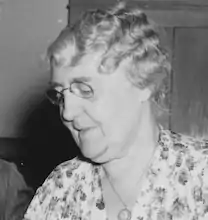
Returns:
<point x="129" y="168"/>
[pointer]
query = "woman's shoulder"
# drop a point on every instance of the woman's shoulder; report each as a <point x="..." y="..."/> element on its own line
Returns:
<point x="59" y="188"/>
<point x="68" y="168"/>
<point x="193" y="145"/>
<point x="69" y="172"/>
<point x="183" y="175"/>
<point x="189" y="153"/>
<point x="66" y="174"/>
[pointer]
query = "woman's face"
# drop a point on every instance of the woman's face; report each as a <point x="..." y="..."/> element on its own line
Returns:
<point x="103" y="122"/>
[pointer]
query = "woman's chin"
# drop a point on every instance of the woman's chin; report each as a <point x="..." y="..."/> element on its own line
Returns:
<point x="95" y="154"/>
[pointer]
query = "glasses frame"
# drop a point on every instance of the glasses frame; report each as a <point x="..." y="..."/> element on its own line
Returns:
<point x="59" y="101"/>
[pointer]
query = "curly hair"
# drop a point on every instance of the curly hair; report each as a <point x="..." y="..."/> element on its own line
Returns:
<point x="120" y="32"/>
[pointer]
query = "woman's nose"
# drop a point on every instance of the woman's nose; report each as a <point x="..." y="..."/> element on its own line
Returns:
<point x="70" y="109"/>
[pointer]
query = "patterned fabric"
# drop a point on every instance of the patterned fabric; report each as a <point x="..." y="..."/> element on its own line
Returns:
<point x="175" y="187"/>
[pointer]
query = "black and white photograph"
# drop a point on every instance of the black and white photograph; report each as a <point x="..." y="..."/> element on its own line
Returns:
<point x="103" y="110"/>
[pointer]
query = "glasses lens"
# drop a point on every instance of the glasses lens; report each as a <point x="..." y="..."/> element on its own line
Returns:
<point x="82" y="90"/>
<point x="55" y="97"/>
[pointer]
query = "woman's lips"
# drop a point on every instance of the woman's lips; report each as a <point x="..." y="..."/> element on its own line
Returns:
<point x="86" y="130"/>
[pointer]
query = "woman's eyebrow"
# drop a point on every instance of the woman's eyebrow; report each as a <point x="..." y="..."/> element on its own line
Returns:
<point x="81" y="79"/>
<point x="75" y="79"/>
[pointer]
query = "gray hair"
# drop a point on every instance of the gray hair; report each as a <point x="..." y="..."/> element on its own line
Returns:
<point x="120" y="32"/>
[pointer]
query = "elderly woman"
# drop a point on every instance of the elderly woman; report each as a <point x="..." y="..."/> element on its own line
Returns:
<point x="108" y="72"/>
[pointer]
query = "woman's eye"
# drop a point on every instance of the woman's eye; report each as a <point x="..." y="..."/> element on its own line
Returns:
<point x="82" y="90"/>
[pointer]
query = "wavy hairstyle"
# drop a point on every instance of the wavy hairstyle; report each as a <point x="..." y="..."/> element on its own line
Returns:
<point x="120" y="32"/>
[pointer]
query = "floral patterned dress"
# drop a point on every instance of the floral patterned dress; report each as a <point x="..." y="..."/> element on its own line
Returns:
<point x="175" y="187"/>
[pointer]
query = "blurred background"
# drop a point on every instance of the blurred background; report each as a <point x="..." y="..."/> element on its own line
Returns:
<point x="31" y="134"/>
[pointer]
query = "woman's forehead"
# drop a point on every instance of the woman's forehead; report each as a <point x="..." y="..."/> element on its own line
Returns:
<point x="85" y="71"/>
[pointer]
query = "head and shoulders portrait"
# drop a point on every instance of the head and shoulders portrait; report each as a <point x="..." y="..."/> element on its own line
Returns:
<point x="109" y="77"/>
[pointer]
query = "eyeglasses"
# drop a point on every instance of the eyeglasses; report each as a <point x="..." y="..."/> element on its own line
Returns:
<point x="79" y="89"/>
